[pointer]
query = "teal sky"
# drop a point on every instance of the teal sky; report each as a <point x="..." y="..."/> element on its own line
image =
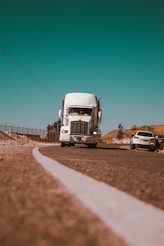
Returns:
<point x="114" y="49"/>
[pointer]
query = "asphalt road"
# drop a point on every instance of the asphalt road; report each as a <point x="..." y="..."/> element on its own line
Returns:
<point x="138" y="173"/>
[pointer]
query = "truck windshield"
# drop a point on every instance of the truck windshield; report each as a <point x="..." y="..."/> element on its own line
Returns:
<point x="80" y="111"/>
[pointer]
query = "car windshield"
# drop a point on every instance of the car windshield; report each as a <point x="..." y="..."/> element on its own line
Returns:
<point x="80" y="111"/>
<point x="145" y="134"/>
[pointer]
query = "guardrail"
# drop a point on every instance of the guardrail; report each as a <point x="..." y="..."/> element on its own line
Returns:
<point x="16" y="135"/>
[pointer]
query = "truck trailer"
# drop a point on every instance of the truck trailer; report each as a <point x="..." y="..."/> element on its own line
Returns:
<point x="80" y="119"/>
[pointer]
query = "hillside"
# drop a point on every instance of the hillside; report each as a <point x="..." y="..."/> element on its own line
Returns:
<point x="156" y="129"/>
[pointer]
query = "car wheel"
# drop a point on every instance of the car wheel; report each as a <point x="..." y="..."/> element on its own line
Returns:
<point x="152" y="149"/>
<point x="161" y="146"/>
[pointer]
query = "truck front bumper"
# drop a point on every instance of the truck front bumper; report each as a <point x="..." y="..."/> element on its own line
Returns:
<point x="83" y="139"/>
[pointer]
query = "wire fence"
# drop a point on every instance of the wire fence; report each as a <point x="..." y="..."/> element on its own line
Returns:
<point x="16" y="135"/>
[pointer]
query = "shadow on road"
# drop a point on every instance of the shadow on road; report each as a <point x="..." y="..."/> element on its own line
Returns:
<point x="113" y="146"/>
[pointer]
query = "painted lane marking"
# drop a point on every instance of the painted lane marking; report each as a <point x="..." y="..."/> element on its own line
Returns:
<point x="138" y="223"/>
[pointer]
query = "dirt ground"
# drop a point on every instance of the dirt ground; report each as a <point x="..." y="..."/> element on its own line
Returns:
<point x="35" y="209"/>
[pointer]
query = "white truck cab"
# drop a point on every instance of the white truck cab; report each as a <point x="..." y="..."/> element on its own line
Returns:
<point x="80" y="116"/>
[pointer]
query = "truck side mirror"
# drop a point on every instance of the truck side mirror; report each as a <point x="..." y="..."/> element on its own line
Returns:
<point x="99" y="115"/>
<point x="60" y="113"/>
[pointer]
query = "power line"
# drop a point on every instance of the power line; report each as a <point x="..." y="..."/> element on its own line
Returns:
<point x="25" y="70"/>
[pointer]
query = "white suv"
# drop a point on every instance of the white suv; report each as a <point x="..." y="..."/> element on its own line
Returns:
<point x="143" y="139"/>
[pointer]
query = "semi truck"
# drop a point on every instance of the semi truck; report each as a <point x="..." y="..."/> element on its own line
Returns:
<point x="80" y="119"/>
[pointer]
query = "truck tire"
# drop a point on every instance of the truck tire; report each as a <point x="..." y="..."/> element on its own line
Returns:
<point x="132" y="146"/>
<point x="63" y="144"/>
<point x="92" y="145"/>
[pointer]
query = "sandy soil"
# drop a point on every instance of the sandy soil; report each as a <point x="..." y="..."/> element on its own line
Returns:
<point x="35" y="209"/>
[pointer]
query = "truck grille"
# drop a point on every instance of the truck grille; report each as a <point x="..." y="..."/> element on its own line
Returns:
<point x="79" y="127"/>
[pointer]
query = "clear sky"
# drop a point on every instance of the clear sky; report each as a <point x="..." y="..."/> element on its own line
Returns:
<point x="112" y="48"/>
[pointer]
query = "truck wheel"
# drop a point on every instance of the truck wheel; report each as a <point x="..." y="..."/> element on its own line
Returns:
<point x="92" y="145"/>
<point x="132" y="146"/>
<point x="62" y="144"/>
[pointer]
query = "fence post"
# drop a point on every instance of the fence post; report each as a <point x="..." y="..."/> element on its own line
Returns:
<point x="5" y="134"/>
<point x="11" y="134"/>
<point x="22" y="134"/>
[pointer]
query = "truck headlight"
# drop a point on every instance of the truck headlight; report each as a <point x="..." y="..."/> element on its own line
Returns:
<point x="95" y="132"/>
<point x="64" y="131"/>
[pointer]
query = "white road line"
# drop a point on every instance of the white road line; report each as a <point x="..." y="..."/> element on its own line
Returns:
<point x="138" y="223"/>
